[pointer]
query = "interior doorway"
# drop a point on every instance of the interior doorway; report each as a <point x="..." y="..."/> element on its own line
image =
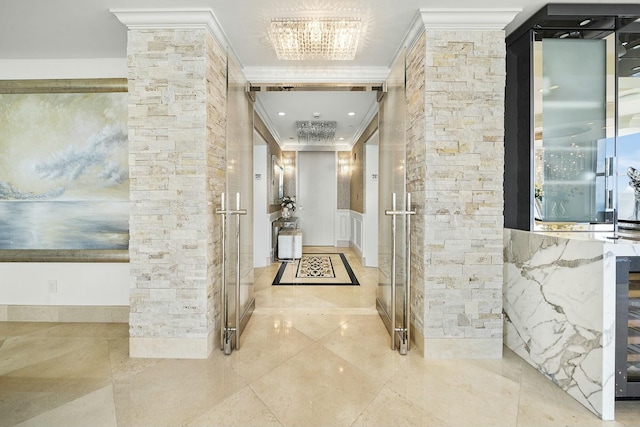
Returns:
<point x="317" y="197"/>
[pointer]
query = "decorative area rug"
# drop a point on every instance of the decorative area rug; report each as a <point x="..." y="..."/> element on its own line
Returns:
<point x="325" y="269"/>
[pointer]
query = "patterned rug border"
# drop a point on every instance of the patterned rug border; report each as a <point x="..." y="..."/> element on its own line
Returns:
<point x="352" y="276"/>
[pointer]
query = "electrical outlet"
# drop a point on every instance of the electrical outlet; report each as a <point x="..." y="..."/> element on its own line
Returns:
<point x="53" y="286"/>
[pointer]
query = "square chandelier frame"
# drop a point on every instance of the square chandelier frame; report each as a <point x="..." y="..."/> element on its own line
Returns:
<point x="315" y="38"/>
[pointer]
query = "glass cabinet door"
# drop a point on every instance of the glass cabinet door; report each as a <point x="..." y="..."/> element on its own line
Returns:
<point x="574" y="137"/>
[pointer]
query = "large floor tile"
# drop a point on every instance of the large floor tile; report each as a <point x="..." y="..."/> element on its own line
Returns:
<point x="122" y="365"/>
<point x="15" y="329"/>
<point x="391" y="409"/>
<point x="318" y="325"/>
<point x="350" y="296"/>
<point x="173" y="392"/>
<point x="628" y="413"/>
<point x="365" y="342"/>
<point x="95" y="409"/>
<point x="97" y="330"/>
<point x="461" y="391"/>
<point x="34" y="383"/>
<point x="544" y="403"/>
<point x="317" y="388"/>
<point x="53" y="357"/>
<point x="290" y="297"/>
<point x="243" y="409"/>
<point x="267" y="342"/>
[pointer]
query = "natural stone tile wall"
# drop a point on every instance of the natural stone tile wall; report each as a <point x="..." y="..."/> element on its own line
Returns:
<point x="456" y="178"/>
<point x="177" y="163"/>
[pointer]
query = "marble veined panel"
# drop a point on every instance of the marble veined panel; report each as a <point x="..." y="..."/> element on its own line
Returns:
<point x="559" y="303"/>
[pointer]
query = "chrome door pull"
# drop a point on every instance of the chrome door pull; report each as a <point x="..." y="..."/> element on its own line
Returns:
<point x="227" y="332"/>
<point x="404" y="331"/>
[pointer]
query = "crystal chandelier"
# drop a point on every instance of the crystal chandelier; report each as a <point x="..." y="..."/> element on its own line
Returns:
<point x="315" y="38"/>
<point x="316" y="132"/>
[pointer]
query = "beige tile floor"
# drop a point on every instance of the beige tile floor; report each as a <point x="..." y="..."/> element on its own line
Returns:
<point x="310" y="356"/>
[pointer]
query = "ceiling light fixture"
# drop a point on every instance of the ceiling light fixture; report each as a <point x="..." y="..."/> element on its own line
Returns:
<point x="351" y="113"/>
<point x="316" y="132"/>
<point x="315" y="38"/>
<point x="281" y="113"/>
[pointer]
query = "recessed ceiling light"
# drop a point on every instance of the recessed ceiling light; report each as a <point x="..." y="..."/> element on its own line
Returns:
<point x="351" y="113"/>
<point x="585" y="22"/>
<point x="341" y="139"/>
<point x="281" y="113"/>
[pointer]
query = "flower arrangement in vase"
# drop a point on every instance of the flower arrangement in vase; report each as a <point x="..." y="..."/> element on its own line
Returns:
<point x="288" y="204"/>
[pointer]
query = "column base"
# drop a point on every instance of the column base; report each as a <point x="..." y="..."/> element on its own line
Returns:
<point x="171" y="348"/>
<point x="462" y="348"/>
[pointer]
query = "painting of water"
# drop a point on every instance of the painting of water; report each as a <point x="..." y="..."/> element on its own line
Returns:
<point x="64" y="176"/>
<point x="68" y="225"/>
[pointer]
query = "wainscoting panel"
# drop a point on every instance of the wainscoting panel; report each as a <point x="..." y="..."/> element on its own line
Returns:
<point x="355" y="239"/>
<point x="342" y="228"/>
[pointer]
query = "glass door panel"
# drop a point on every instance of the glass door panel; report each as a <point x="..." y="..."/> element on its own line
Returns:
<point x="391" y="189"/>
<point x="239" y="279"/>
<point x="628" y="142"/>
<point x="574" y="140"/>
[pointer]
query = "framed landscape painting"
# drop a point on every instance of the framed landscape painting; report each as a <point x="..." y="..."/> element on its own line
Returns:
<point x="64" y="175"/>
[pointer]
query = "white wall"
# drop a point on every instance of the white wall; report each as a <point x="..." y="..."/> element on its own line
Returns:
<point x="90" y="284"/>
<point x="95" y="68"/>
<point x="50" y="283"/>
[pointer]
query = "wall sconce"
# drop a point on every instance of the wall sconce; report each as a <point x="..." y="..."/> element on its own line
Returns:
<point x="344" y="167"/>
<point x="288" y="166"/>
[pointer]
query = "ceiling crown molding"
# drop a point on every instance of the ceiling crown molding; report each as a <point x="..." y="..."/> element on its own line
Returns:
<point x="319" y="74"/>
<point x="174" y="19"/>
<point x="456" y="19"/>
<point x="467" y="19"/>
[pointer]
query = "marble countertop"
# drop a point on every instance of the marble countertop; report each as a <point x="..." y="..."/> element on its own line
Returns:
<point x="626" y="243"/>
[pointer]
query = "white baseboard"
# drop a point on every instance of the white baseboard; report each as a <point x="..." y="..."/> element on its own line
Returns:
<point x="64" y="313"/>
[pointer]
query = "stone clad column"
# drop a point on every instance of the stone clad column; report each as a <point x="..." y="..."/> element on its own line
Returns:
<point x="455" y="151"/>
<point x="177" y="120"/>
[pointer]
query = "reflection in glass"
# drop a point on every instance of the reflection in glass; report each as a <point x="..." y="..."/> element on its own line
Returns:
<point x="572" y="152"/>
<point x="392" y="180"/>
<point x="628" y="145"/>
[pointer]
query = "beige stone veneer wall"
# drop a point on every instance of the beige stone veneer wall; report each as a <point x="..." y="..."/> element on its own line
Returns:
<point x="177" y="113"/>
<point x="455" y="158"/>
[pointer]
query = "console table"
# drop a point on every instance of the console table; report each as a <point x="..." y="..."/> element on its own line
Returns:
<point x="275" y="229"/>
